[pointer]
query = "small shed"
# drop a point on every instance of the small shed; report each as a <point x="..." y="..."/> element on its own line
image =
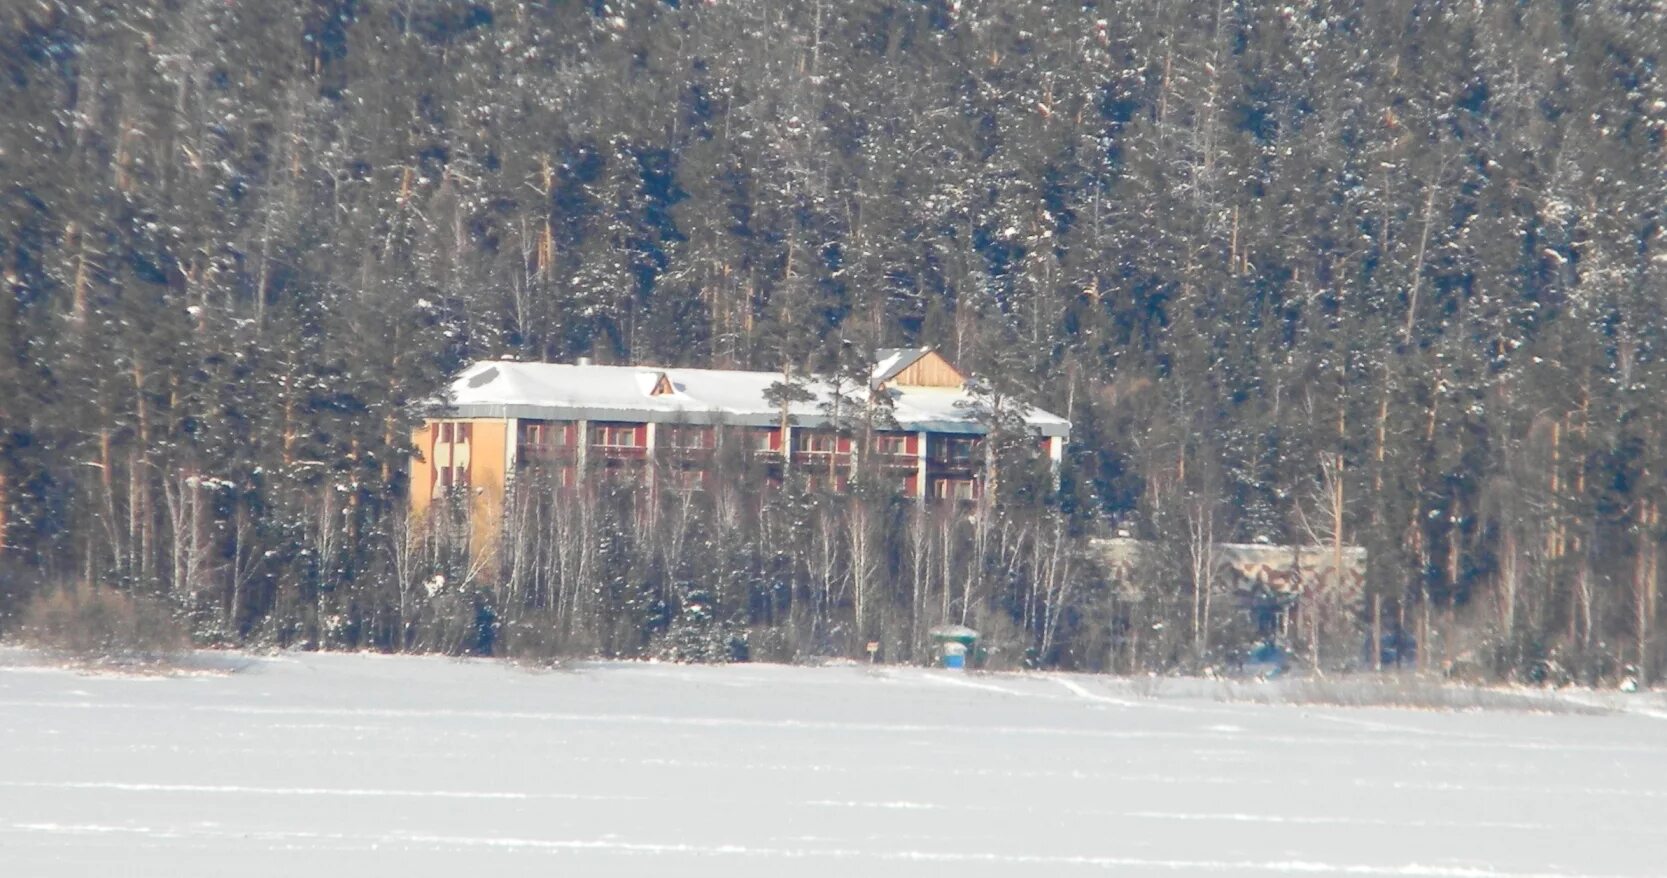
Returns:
<point x="953" y="642"/>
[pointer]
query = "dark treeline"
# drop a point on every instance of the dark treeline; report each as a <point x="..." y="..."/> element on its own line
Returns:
<point x="1388" y="273"/>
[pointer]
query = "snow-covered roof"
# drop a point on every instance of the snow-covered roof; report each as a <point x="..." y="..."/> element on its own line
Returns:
<point x="564" y="392"/>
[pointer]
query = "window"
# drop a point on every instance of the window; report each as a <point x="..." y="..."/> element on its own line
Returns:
<point x="450" y="456"/>
<point x="614" y="436"/>
<point x="760" y="440"/>
<point x="891" y="444"/>
<point x="818" y="442"/>
<point x="542" y="437"/>
<point x="958" y="449"/>
<point x="691" y="437"/>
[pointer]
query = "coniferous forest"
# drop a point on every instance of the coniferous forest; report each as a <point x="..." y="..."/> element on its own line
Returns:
<point x="1383" y="273"/>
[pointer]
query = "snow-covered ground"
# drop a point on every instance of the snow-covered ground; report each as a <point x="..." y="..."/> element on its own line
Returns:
<point x="327" y="765"/>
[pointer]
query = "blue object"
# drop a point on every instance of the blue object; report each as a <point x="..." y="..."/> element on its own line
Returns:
<point x="955" y="661"/>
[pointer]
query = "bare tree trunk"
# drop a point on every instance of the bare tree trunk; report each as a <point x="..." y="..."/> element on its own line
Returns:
<point x="107" y="477"/>
<point x="1643" y="589"/>
<point x="1312" y="608"/>
<point x="1418" y="260"/>
<point x="1336" y="530"/>
<point x="1377" y="632"/>
<point x="1584" y="599"/>
<point x="1424" y="629"/>
<point x="1331" y="473"/>
<point x="185" y="529"/>
<point x="863" y="565"/>
<point x="78" y="299"/>
<point x="946" y="537"/>
<point x="139" y="498"/>
<point x="1583" y="543"/>
<point x="1059" y="581"/>
<point x="138" y="541"/>
<point x="920" y="564"/>
<point x="1510" y="582"/>
<point x="1421" y="553"/>
<point x="1201" y="553"/>
<point x="245" y="562"/>
<point x="1652" y="589"/>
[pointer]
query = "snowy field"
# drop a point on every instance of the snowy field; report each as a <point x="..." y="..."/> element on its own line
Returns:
<point x="327" y="765"/>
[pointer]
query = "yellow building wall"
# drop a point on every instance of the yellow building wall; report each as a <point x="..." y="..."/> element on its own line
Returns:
<point x="422" y="470"/>
<point x="487" y="468"/>
<point x="487" y="479"/>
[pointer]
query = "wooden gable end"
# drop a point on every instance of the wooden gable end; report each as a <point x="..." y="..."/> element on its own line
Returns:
<point x="931" y="370"/>
<point x="662" y="386"/>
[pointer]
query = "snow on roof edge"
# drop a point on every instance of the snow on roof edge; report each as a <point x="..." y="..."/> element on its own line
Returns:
<point x="562" y="391"/>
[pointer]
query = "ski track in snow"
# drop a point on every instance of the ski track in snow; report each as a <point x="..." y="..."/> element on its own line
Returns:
<point x="348" y="792"/>
<point x="234" y="790"/>
<point x="352" y="765"/>
<point x="720" y="850"/>
<point x="960" y="682"/>
<point x="1082" y="692"/>
<point x="1488" y="742"/>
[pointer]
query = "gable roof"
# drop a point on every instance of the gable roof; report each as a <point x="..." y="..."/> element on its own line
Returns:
<point x="559" y="391"/>
<point x="891" y="361"/>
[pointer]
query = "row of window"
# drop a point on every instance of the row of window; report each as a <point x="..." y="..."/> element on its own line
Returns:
<point x="448" y="432"/>
<point x="450" y="452"/>
<point x="545" y="436"/>
<point x="961" y="489"/>
<point x="449" y="456"/>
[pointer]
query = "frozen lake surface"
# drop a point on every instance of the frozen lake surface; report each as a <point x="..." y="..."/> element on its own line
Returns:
<point x="327" y="765"/>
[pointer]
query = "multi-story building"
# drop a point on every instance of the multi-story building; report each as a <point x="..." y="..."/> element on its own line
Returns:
<point x="504" y="417"/>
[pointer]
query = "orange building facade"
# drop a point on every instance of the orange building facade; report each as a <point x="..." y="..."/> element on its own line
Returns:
<point x="504" y="418"/>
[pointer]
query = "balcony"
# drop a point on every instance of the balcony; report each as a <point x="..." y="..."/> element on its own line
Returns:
<point x="546" y="452"/>
<point x="618" y="452"/>
<point x="954" y="462"/>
